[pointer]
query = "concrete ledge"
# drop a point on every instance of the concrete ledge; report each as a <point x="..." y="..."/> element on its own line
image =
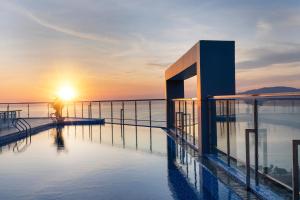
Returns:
<point x="6" y="139"/>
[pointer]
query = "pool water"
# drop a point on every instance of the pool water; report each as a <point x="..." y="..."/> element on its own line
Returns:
<point x="103" y="162"/>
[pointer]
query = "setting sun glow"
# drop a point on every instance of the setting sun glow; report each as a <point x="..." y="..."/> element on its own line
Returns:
<point x="66" y="93"/>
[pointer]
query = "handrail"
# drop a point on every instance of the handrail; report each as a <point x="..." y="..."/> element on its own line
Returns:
<point x="254" y="96"/>
<point x="83" y="101"/>
<point x="26" y="123"/>
<point x="18" y="126"/>
<point x="20" y="123"/>
<point x="185" y="99"/>
<point x="18" y="120"/>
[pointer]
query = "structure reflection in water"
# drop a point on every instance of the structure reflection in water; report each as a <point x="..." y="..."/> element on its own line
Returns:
<point x="186" y="176"/>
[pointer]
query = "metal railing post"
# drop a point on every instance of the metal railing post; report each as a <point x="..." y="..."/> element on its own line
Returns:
<point x="74" y="106"/>
<point x="150" y="117"/>
<point x="182" y="124"/>
<point x="175" y="125"/>
<point x="256" y="139"/>
<point x="247" y="159"/>
<point x="185" y="120"/>
<point x="27" y="110"/>
<point x="81" y="109"/>
<point x="90" y="110"/>
<point x="247" y="132"/>
<point x="228" y="132"/>
<point x="48" y="110"/>
<point x="121" y="120"/>
<point x="111" y="112"/>
<point x="99" y="109"/>
<point x="135" y="114"/>
<point x="295" y="169"/>
<point x="123" y="115"/>
<point x="190" y="124"/>
<point x="194" y="139"/>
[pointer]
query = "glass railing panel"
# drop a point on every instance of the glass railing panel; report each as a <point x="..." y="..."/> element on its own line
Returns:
<point x="158" y="113"/>
<point x="129" y="112"/>
<point x="233" y="117"/>
<point x="117" y="106"/>
<point x="278" y="122"/>
<point x="143" y="114"/>
<point x="95" y="110"/>
<point x="185" y="122"/>
<point x="38" y="110"/>
<point x="22" y="107"/>
<point x="106" y="111"/>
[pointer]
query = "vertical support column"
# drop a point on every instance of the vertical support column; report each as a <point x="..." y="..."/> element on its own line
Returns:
<point x="174" y="89"/>
<point x="215" y="76"/>
<point x="212" y="124"/>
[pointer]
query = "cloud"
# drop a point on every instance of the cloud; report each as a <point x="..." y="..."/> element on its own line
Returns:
<point x="263" y="28"/>
<point x="263" y="57"/>
<point x="159" y="65"/>
<point x="64" y="30"/>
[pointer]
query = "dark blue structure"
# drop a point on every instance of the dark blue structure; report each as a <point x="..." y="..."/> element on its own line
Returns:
<point x="213" y="62"/>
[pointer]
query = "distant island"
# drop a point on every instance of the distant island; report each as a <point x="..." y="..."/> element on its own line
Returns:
<point x="277" y="89"/>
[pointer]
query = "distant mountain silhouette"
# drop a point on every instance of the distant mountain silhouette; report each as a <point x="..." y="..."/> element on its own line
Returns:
<point x="277" y="89"/>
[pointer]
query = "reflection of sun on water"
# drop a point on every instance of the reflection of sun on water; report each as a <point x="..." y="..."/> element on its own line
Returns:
<point x="66" y="93"/>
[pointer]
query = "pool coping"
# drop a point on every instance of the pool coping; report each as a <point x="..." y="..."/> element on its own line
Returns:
<point x="6" y="139"/>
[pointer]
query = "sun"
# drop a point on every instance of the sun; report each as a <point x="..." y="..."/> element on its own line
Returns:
<point x="66" y="93"/>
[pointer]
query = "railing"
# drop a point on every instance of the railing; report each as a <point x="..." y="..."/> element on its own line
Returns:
<point x="186" y="123"/>
<point x="22" y="125"/>
<point x="140" y="112"/>
<point x="254" y="134"/>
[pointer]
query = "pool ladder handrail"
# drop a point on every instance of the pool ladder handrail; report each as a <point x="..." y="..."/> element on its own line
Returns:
<point x="22" y="125"/>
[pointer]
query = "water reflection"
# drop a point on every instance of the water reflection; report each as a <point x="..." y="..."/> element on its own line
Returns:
<point x="172" y="167"/>
<point x="21" y="145"/>
<point x="189" y="179"/>
<point x="59" y="141"/>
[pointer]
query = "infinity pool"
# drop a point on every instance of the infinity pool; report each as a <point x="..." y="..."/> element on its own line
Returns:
<point x="103" y="162"/>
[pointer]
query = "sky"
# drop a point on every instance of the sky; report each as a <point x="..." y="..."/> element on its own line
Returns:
<point x="119" y="49"/>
